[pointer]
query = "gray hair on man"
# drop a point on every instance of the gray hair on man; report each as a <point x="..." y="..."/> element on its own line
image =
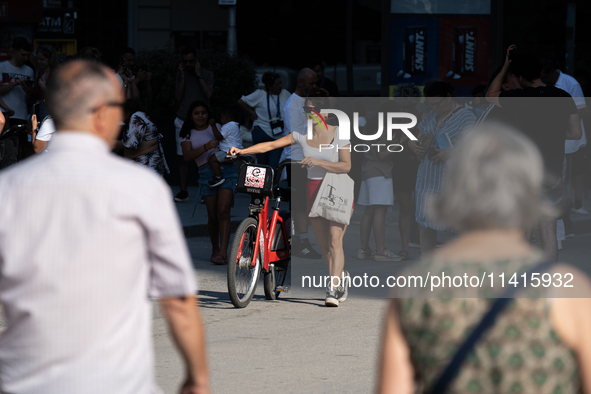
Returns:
<point x="75" y="88"/>
<point x="493" y="180"/>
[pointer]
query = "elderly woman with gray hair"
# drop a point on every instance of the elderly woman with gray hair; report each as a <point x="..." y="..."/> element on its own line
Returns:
<point x="491" y="194"/>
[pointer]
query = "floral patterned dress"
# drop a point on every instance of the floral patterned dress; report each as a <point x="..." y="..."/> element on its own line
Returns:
<point x="141" y="129"/>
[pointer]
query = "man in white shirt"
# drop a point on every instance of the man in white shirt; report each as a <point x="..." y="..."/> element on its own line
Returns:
<point x="295" y="121"/>
<point x="86" y="239"/>
<point x="43" y="133"/>
<point x="16" y="86"/>
<point x="17" y="80"/>
<point x="576" y="168"/>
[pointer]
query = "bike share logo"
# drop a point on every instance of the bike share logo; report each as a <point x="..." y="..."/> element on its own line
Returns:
<point x="390" y="118"/>
<point x="255" y="177"/>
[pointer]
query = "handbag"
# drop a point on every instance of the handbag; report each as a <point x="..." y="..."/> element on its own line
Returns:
<point x="334" y="200"/>
<point x="451" y="370"/>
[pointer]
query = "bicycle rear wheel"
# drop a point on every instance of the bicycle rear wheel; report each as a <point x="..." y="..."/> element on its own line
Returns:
<point x="270" y="285"/>
<point x="242" y="276"/>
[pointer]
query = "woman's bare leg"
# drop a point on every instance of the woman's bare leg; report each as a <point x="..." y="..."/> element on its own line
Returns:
<point x="224" y="204"/>
<point x="321" y="229"/>
<point x="336" y="256"/>
<point x="366" y="226"/>
<point x="379" y="226"/>
<point x="212" y="222"/>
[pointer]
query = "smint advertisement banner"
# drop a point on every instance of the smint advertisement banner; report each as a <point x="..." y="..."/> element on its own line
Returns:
<point x="448" y="40"/>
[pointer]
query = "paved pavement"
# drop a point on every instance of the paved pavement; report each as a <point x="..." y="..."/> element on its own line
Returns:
<point x="295" y="344"/>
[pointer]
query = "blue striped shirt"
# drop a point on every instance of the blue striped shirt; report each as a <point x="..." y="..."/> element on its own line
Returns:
<point x="430" y="175"/>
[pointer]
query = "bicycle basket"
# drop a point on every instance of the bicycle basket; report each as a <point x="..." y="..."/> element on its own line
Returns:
<point x="255" y="179"/>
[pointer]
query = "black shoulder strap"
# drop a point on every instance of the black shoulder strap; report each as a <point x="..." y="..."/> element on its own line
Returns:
<point x="452" y="113"/>
<point x="452" y="369"/>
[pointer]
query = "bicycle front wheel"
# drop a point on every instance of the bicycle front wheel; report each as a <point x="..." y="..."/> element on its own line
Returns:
<point x="242" y="276"/>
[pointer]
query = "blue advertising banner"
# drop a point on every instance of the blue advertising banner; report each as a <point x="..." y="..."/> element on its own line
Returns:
<point x="414" y="57"/>
<point x="454" y="49"/>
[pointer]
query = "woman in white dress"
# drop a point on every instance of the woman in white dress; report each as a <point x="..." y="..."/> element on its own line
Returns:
<point x="329" y="234"/>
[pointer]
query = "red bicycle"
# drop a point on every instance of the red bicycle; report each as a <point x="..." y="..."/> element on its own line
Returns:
<point x="262" y="240"/>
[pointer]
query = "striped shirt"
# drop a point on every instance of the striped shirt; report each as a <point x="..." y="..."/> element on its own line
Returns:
<point x="86" y="239"/>
<point x="430" y="175"/>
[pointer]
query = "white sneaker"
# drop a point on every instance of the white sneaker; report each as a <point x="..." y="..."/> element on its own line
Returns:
<point x="343" y="289"/>
<point x="363" y="254"/>
<point x="331" y="298"/>
<point x="580" y="211"/>
<point x="386" y="255"/>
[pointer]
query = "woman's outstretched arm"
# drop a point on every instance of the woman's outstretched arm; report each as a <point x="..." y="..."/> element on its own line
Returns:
<point x="263" y="146"/>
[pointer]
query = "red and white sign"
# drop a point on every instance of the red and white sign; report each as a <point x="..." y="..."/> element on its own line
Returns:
<point x="255" y="177"/>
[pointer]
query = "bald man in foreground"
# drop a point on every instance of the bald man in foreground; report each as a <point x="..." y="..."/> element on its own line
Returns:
<point x="86" y="240"/>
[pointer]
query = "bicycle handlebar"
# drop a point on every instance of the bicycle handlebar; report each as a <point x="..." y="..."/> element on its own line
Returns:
<point x="241" y="158"/>
<point x="280" y="168"/>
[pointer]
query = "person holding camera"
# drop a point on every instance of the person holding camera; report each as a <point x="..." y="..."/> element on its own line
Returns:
<point x="264" y="105"/>
<point x="193" y="83"/>
<point x="136" y="79"/>
<point x="447" y="118"/>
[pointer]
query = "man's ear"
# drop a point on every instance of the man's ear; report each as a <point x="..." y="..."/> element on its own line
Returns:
<point x="95" y="120"/>
<point x="99" y="120"/>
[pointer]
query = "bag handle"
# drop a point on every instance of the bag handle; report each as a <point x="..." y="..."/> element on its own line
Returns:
<point x="452" y="113"/>
<point x="452" y="369"/>
<point x="336" y="145"/>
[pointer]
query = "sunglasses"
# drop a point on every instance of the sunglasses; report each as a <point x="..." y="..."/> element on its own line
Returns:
<point x="109" y="104"/>
<point x="308" y="109"/>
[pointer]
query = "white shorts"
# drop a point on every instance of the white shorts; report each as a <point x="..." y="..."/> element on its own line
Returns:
<point x="376" y="191"/>
<point x="178" y="124"/>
